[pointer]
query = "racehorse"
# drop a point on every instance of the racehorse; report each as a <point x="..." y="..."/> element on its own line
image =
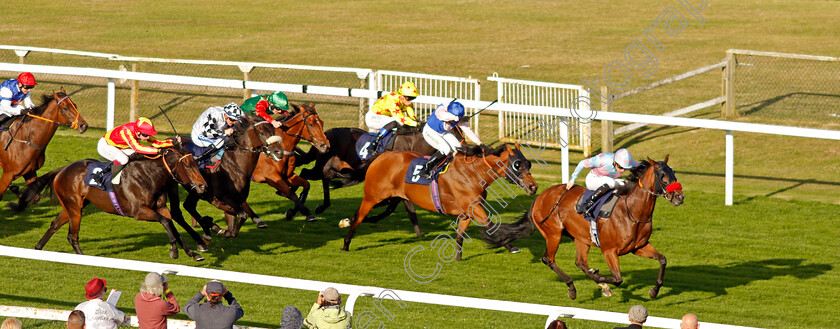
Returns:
<point x="228" y="185"/>
<point x="342" y="162"/>
<point x="627" y="230"/>
<point x="304" y="123"/>
<point x="462" y="188"/>
<point x="31" y="134"/>
<point x="141" y="195"/>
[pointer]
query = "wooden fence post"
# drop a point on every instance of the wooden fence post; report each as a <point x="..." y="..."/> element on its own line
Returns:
<point x="135" y="95"/>
<point x="606" y="126"/>
<point x="728" y="110"/>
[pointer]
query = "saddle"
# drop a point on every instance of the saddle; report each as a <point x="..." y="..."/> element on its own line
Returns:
<point x="412" y="176"/>
<point x="98" y="175"/>
<point x="206" y="157"/>
<point x="603" y="207"/>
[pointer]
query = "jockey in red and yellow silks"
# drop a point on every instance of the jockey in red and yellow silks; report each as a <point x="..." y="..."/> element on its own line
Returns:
<point x="122" y="141"/>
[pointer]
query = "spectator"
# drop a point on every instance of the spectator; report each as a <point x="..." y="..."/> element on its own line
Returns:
<point x="98" y="313"/>
<point x="76" y="320"/>
<point x="152" y="309"/>
<point x="213" y="314"/>
<point x="638" y="315"/>
<point x="557" y="324"/>
<point x="327" y="313"/>
<point x="292" y="318"/>
<point x="11" y="323"/>
<point x="689" y="321"/>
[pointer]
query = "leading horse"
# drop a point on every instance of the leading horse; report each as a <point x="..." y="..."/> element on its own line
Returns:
<point x="463" y="187"/>
<point x="627" y="230"/>
<point x="146" y="181"/>
<point x="22" y="146"/>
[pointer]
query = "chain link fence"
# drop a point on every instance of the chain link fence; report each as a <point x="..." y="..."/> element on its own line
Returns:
<point x="787" y="89"/>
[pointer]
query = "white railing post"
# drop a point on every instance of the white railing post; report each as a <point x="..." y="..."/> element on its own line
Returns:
<point x="730" y="166"/>
<point x="112" y="90"/>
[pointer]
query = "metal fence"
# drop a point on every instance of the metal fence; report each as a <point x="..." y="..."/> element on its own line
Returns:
<point x="787" y="89"/>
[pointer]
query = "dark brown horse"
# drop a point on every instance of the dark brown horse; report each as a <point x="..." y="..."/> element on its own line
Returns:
<point x="229" y="185"/>
<point x="627" y="230"/>
<point x="145" y="183"/>
<point x="341" y="166"/>
<point x="304" y="123"/>
<point x="462" y="188"/>
<point x="23" y="153"/>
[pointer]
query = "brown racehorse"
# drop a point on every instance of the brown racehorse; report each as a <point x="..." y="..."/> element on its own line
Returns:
<point x="142" y="194"/>
<point x="303" y="123"/>
<point x="23" y="155"/>
<point x="228" y="187"/>
<point x="342" y="164"/>
<point x="462" y="187"/>
<point x="627" y="230"/>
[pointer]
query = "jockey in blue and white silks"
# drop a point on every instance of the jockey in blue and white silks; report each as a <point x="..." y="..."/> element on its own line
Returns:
<point x="15" y="96"/>
<point x="438" y="133"/>
<point x="606" y="168"/>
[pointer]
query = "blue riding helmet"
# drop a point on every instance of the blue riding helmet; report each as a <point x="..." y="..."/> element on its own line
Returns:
<point x="456" y="109"/>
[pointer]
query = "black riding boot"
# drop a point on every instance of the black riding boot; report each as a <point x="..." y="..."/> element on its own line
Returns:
<point x="115" y="173"/>
<point x="388" y="128"/>
<point x="603" y="189"/>
<point x="429" y="166"/>
<point x="5" y="122"/>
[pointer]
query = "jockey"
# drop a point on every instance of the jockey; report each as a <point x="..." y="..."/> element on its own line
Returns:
<point x="213" y="126"/>
<point x="391" y="111"/>
<point x="122" y="141"/>
<point x="15" y="97"/>
<point x="438" y="133"/>
<point x="606" y="167"/>
<point x="263" y="105"/>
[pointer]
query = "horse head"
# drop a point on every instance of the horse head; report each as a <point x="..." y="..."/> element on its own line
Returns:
<point x="518" y="170"/>
<point x="312" y="129"/>
<point x="183" y="168"/>
<point x="659" y="176"/>
<point x="69" y="114"/>
<point x="257" y="136"/>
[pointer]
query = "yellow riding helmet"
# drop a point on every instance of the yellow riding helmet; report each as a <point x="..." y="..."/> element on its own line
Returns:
<point x="408" y="89"/>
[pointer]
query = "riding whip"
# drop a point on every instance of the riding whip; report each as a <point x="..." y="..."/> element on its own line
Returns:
<point x="479" y="111"/>
<point x="167" y="119"/>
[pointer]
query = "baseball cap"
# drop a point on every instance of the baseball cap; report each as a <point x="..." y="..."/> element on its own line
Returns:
<point x="331" y="295"/>
<point x="215" y="288"/>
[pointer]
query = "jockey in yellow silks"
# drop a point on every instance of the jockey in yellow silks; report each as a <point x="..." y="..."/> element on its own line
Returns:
<point x="392" y="110"/>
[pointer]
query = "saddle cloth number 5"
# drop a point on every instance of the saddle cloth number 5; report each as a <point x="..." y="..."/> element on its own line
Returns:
<point x="415" y="174"/>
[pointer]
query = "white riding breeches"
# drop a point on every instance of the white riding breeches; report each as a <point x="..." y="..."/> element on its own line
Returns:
<point x="594" y="181"/>
<point x="113" y="153"/>
<point x="445" y="143"/>
<point x="377" y="121"/>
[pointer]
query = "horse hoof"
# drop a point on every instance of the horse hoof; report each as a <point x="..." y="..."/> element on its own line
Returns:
<point x="344" y="249"/>
<point x="206" y="238"/>
<point x="653" y="292"/>
<point x="201" y="248"/>
<point x="222" y="233"/>
<point x="14" y="189"/>
<point x="198" y="258"/>
<point x="572" y="294"/>
<point x="344" y="223"/>
<point x="262" y="224"/>
<point x="320" y="209"/>
<point x="311" y="219"/>
<point x="605" y="290"/>
<point x="515" y="250"/>
<point x="290" y="214"/>
<point x="173" y="254"/>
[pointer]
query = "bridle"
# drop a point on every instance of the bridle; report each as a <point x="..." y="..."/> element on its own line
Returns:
<point x="74" y="124"/>
<point x="259" y="149"/>
<point x="659" y="190"/>
<point x="170" y="169"/>
<point x="306" y="114"/>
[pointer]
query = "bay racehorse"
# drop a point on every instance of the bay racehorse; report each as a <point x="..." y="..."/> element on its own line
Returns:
<point x="22" y="146"/>
<point x="228" y="185"/>
<point x="341" y="166"/>
<point x="303" y="123"/>
<point x="145" y="183"/>
<point x="462" y="188"/>
<point x="627" y="230"/>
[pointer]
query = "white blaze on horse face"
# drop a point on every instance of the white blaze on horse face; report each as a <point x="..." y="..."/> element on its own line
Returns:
<point x="274" y="139"/>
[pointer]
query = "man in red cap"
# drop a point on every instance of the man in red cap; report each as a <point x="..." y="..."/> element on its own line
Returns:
<point x="122" y="141"/>
<point x="15" y="98"/>
<point x="98" y="313"/>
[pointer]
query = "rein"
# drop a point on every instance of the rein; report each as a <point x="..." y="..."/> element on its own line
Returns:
<point x="552" y="208"/>
<point x="28" y="141"/>
<point x="166" y="165"/>
<point x="306" y="115"/>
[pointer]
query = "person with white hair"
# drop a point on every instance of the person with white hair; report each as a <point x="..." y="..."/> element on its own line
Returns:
<point x="638" y="315"/>
<point x="155" y="302"/>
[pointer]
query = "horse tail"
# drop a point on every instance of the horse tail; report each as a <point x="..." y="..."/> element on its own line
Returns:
<point x="33" y="190"/>
<point x="507" y="233"/>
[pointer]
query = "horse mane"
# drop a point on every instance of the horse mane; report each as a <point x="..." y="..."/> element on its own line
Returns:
<point x="293" y="110"/>
<point x="476" y="150"/>
<point x="46" y="98"/>
<point x="639" y="171"/>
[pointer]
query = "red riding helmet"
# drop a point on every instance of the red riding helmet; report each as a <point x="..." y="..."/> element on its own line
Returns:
<point x="145" y="126"/>
<point x="27" y="79"/>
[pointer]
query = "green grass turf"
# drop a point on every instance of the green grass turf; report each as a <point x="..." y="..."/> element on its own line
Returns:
<point x="768" y="261"/>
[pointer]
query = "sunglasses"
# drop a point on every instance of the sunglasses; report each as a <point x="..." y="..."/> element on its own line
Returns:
<point x="409" y="98"/>
<point x="27" y="86"/>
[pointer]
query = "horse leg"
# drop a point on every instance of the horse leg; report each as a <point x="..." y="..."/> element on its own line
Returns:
<point x="551" y="244"/>
<point x="206" y="223"/>
<point x="650" y="252"/>
<point x="412" y="216"/>
<point x="166" y="214"/>
<point x="253" y="215"/>
<point x="75" y="216"/>
<point x="297" y="181"/>
<point x="6" y="180"/>
<point x="582" y="262"/>
<point x="285" y="190"/>
<point x="392" y="205"/>
<point x="176" y="215"/>
<point x="28" y="178"/>
<point x="611" y="257"/>
<point x="326" y="203"/>
<point x="56" y="224"/>
<point x="364" y="209"/>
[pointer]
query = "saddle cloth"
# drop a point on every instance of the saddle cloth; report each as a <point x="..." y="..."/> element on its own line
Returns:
<point x="365" y="141"/>
<point x="603" y="206"/>
<point x="105" y="184"/>
<point x="412" y="176"/>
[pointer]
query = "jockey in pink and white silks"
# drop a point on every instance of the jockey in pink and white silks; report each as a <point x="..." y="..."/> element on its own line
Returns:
<point x="438" y="133"/>
<point x="606" y="168"/>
